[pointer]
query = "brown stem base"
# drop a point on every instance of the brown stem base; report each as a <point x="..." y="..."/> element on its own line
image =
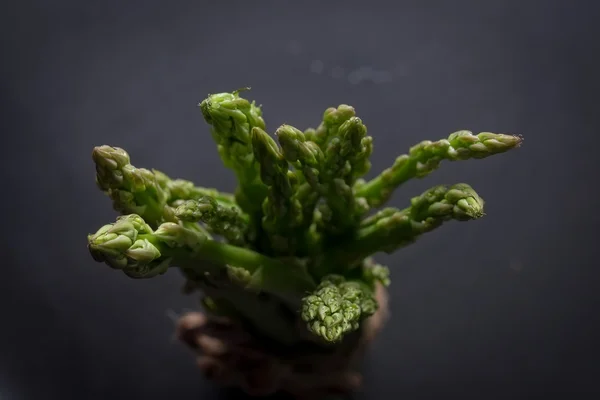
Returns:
<point x="230" y="356"/>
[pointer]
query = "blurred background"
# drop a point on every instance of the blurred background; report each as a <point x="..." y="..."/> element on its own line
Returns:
<point x="503" y="307"/>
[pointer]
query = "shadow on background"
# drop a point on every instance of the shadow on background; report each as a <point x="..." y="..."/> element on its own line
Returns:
<point x="504" y="307"/>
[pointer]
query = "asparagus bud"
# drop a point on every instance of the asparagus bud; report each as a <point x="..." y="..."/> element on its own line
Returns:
<point x="282" y="212"/>
<point x="122" y="245"/>
<point x="333" y="163"/>
<point x="376" y="273"/>
<point x="232" y="119"/>
<point x="348" y="152"/>
<point x="133" y="190"/>
<point x="337" y="307"/>
<point x="333" y="118"/>
<point x="305" y="155"/>
<point x="356" y="147"/>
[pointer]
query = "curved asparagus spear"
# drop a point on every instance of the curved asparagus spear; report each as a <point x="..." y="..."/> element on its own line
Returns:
<point x="304" y="154"/>
<point x="307" y="159"/>
<point x="426" y="156"/>
<point x="346" y="159"/>
<point x="131" y="245"/>
<point x="232" y="119"/>
<point x="133" y="190"/>
<point x="390" y="228"/>
<point x="347" y="152"/>
<point x="149" y="193"/>
<point x="123" y="246"/>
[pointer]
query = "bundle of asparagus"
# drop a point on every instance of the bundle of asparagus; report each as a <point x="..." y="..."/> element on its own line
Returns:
<point x="294" y="243"/>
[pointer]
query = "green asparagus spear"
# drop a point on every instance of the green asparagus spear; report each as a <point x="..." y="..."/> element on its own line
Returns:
<point x="132" y="246"/>
<point x="332" y="172"/>
<point x="149" y="193"/>
<point x="426" y="157"/>
<point x="390" y="229"/>
<point x="133" y="190"/>
<point x="232" y="119"/>
<point x="282" y="212"/>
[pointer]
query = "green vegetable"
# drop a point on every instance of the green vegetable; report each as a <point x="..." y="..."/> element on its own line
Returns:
<point x="337" y="306"/>
<point x="298" y="235"/>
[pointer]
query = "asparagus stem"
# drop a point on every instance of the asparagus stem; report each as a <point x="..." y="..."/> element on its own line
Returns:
<point x="425" y="158"/>
<point x="391" y="229"/>
<point x="346" y="159"/>
<point x="282" y="212"/>
<point x="149" y="193"/>
<point x="232" y="119"/>
<point x="307" y="158"/>
<point x="131" y="245"/>
<point x="133" y="190"/>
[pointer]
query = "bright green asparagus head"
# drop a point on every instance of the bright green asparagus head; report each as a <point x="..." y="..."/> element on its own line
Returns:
<point x="124" y="245"/>
<point x="302" y="225"/>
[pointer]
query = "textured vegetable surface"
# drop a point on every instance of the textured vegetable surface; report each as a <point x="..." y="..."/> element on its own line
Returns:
<point x="297" y="237"/>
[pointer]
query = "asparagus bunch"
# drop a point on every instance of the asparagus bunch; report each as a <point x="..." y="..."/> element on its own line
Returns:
<point x="301" y="228"/>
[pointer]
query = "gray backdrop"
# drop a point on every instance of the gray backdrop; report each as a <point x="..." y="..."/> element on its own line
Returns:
<point x="502" y="307"/>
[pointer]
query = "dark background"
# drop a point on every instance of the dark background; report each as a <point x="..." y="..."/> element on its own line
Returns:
<point x="503" y="307"/>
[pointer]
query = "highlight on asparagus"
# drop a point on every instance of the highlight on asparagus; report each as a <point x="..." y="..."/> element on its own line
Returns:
<point x="300" y="231"/>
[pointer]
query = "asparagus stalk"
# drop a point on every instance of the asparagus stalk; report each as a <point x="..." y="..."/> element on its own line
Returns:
<point x="149" y="193"/>
<point x="332" y="165"/>
<point x="333" y="118"/>
<point x="307" y="159"/>
<point x="391" y="228"/>
<point x="132" y="190"/>
<point x="232" y="119"/>
<point x="132" y="246"/>
<point x="425" y="157"/>
<point x="346" y="159"/>
<point x="282" y="212"/>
